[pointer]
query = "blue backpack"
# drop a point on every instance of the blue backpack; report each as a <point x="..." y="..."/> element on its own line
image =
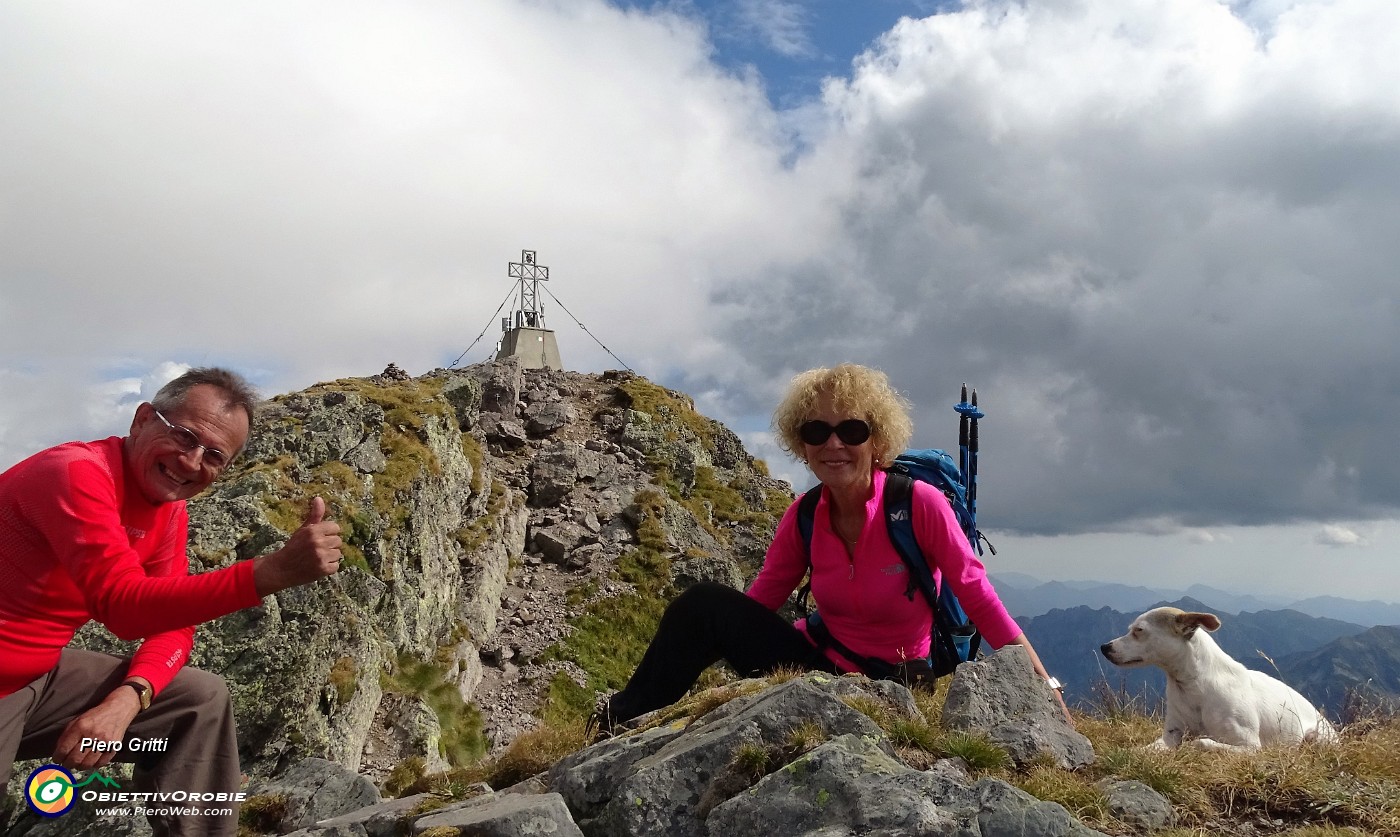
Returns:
<point x="954" y="638"/>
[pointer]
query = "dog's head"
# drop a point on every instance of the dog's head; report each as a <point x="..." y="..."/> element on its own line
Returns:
<point x="1157" y="636"/>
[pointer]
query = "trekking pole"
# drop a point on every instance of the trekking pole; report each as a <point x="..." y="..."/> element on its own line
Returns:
<point x="972" y="466"/>
<point x="962" y="408"/>
<point x="968" y="451"/>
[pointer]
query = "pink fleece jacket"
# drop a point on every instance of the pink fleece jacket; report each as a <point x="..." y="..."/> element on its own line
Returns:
<point x="78" y="541"/>
<point x="861" y="595"/>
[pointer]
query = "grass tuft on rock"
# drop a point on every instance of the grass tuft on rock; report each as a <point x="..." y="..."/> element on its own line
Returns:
<point x="532" y="752"/>
<point x="345" y="679"/>
<point x="463" y="741"/>
<point x="262" y="814"/>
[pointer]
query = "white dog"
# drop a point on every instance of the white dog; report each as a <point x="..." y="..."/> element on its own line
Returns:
<point x="1210" y="695"/>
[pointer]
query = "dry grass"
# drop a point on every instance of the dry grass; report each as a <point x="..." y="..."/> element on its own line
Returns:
<point x="1350" y="787"/>
<point x="531" y="753"/>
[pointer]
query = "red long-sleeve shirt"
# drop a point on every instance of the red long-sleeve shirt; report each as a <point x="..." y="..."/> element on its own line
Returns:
<point x="862" y="598"/>
<point x="78" y="541"/>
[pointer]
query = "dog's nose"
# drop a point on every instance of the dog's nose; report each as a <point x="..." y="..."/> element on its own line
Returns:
<point x="1106" y="648"/>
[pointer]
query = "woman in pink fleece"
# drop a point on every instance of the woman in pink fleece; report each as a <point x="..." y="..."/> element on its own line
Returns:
<point x="847" y="424"/>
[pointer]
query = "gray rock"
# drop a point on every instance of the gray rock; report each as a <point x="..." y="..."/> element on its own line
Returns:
<point x="315" y="790"/>
<point x="367" y="457"/>
<point x="382" y="820"/>
<point x="508" y="433"/>
<point x="1007" y="811"/>
<point x="404" y="727"/>
<point x="464" y="393"/>
<point x="1138" y="805"/>
<point x="588" y="778"/>
<point x="589" y="521"/>
<point x="500" y="386"/>
<point x="684" y="532"/>
<point x="555" y="542"/>
<point x="544" y="419"/>
<point x="892" y="694"/>
<point x="661" y="793"/>
<point x="553" y="474"/>
<point x="846" y="786"/>
<point x="505" y="815"/>
<point x="1002" y="697"/>
<point x="720" y="569"/>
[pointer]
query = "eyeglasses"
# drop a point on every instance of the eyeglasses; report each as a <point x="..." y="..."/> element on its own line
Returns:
<point x="850" y="431"/>
<point x="212" y="458"/>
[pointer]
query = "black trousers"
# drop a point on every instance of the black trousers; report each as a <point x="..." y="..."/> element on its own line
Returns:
<point x="707" y="623"/>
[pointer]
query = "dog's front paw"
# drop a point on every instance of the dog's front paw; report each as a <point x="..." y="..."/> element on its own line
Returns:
<point x="1159" y="745"/>
<point x="1218" y="746"/>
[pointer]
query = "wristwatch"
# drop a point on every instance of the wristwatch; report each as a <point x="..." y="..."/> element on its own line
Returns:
<point x="1054" y="683"/>
<point x="142" y="691"/>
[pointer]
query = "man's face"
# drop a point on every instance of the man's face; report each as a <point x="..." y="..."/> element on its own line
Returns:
<point x="161" y="467"/>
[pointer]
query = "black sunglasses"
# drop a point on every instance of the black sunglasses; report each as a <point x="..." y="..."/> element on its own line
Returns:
<point x="850" y="431"/>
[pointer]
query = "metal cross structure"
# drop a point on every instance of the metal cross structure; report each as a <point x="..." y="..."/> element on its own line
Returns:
<point x="524" y="334"/>
<point x="530" y="313"/>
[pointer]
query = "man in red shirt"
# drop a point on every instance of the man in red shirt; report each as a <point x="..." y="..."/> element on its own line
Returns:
<point x="97" y="530"/>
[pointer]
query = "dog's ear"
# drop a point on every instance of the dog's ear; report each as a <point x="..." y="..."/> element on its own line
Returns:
<point x="1187" y="623"/>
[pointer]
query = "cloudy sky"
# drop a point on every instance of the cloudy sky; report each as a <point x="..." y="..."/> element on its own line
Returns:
<point x="1159" y="236"/>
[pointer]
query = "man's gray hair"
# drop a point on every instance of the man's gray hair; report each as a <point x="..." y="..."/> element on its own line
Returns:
<point x="237" y="391"/>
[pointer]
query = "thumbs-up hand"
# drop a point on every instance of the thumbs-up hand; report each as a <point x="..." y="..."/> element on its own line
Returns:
<point x="311" y="553"/>
<point x="315" y="511"/>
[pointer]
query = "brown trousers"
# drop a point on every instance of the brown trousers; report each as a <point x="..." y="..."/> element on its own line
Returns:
<point x="193" y="713"/>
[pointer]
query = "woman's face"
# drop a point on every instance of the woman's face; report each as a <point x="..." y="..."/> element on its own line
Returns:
<point x="838" y="464"/>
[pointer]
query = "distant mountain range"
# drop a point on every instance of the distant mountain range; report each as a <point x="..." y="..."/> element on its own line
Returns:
<point x="1027" y="596"/>
<point x="1342" y="667"/>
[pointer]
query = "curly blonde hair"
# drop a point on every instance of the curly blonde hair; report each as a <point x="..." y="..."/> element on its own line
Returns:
<point x="863" y="392"/>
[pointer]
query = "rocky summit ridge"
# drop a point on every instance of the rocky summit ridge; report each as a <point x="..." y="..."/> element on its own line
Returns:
<point x="511" y="538"/>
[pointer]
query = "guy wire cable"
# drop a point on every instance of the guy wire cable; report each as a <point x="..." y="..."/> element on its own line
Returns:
<point x="586" y="331"/>
<point x="509" y="294"/>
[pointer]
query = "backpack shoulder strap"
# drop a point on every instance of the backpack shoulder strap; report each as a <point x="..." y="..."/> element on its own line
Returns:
<point x="807" y="515"/>
<point x="806" y="522"/>
<point x="899" y="522"/>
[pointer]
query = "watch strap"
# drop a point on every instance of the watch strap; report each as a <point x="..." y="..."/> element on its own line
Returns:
<point x="143" y="693"/>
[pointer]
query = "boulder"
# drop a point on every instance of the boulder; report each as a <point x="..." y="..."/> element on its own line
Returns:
<point x="500" y="386"/>
<point x="846" y="786"/>
<point x="1138" y="805"/>
<point x="555" y="542"/>
<point x="508" y="433"/>
<point x="313" y="790"/>
<point x="1002" y="697"/>
<point x="542" y="419"/>
<point x="719" y="568"/>
<point x="464" y="393"/>
<point x="658" y="791"/>
<point x="404" y="727"/>
<point x="553" y="475"/>
<point x="504" y="815"/>
<point x="382" y="820"/>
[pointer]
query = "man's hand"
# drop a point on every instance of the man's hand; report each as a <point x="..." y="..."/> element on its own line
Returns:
<point x="107" y="721"/>
<point x="311" y="553"/>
